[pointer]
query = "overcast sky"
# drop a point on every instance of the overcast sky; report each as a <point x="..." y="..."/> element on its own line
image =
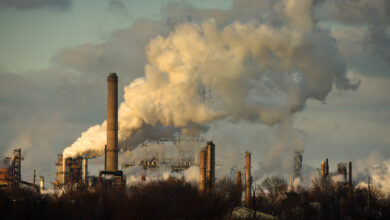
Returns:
<point x="55" y="56"/>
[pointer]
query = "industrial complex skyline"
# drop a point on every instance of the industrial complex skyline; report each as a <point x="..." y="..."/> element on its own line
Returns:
<point x="270" y="77"/>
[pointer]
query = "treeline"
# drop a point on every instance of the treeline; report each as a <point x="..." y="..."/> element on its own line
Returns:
<point x="170" y="199"/>
<point x="176" y="199"/>
<point x="324" y="200"/>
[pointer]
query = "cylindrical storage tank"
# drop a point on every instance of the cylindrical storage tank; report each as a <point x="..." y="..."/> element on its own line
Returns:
<point x="112" y="123"/>
<point x="248" y="179"/>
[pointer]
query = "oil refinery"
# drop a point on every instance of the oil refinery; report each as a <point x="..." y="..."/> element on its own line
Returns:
<point x="73" y="171"/>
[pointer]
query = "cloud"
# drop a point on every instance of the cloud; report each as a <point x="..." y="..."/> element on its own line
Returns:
<point x="117" y="5"/>
<point x="74" y="87"/>
<point x="372" y="16"/>
<point x="31" y="4"/>
<point x="357" y="12"/>
<point x="271" y="73"/>
<point x="122" y="52"/>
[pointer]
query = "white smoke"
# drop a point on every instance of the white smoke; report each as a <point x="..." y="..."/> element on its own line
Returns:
<point x="137" y="174"/>
<point x="379" y="172"/>
<point x="339" y="178"/>
<point x="201" y="73"/>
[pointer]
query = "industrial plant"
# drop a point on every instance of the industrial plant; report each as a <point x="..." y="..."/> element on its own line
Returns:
<point x="73" y="171"/>
<point x="238" y="194"/>
<point x="11" y="174"/>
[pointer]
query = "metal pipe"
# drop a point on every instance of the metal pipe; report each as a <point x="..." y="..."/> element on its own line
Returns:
<point x="112" y="123"/>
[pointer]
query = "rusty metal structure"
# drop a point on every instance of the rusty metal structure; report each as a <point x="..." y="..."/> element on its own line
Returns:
<point x="11" y="172"/>
<point x="16" y="173"/>
<point x="4" y="177"/>
<point x="248" y="179"/>
<point x="73" y="170"/>
<point x="151" y="164"/>
<point x="343" y="169"/>
<point x="69" y="171"/>
<point x="207" y="168"/>
<point x="181" y="165"/>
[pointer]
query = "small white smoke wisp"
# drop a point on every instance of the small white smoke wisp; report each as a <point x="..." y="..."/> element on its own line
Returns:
<point x="192" y="174"/>
<point x="339" y="178"/>
<point x="137" y="175"/>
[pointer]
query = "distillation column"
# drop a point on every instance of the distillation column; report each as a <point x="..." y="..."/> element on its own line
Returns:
<point x="202" y="169"/>
<point x="210" y="172"/>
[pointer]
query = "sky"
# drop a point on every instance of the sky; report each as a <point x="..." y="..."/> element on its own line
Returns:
<point x="55" y="57"/>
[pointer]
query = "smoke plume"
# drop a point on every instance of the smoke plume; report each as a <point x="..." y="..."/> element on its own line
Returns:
<point x="201" y="73"/>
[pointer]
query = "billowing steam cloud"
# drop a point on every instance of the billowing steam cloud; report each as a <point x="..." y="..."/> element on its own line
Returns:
<point x="201" y="73"/>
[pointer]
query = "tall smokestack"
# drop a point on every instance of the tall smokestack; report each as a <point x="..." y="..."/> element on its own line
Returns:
<point x="210" y="172"/>
<point x="297" y="165"/>
<point x="326" y="167"/>
<point x="350" y="173"/>
<point x="323" y="169"/>
<point x="248" y="179"/>
<point x="85" y="170"/>
<point x="112" y="124"/>
<point x="202" y="168"/>
<point x="17" y="166"/>
<point x="239" y="179"/>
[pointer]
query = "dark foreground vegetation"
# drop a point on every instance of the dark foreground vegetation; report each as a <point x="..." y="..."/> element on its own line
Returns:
<point x="176" y="199"/>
